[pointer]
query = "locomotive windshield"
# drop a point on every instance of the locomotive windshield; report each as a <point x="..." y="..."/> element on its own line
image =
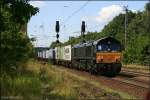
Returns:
<point x="109" y="46"/>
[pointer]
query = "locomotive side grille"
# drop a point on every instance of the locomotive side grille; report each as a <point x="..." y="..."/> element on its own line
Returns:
<point x="105" y="57"/>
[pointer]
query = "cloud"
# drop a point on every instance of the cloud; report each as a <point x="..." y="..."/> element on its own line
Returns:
<point x="106" y="14"/>
<point x="37" y="3"/>
<point x="134" y="11"/>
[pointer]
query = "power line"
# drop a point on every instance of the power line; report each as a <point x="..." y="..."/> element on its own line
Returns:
<point x="69" y="17"/>
<point x="93" y="27"/>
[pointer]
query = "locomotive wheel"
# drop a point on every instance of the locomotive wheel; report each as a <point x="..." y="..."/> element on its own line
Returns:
<point x="67" y="64"/>
<point x="77" y="66"/>
<point x="93" y="69"/>
<point x="88" y="67"/>
<point x="72" y="65"/>
<point x="80" y="66"/>
<point x="84" y="66"/>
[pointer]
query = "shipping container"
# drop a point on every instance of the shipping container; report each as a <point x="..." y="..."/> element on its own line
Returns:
<point x="60" y="53"/>
<point x="67" y="53"/>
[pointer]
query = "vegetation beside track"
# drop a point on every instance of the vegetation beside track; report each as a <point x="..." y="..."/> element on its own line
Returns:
<point x="138" y="68"/>
<point x="40" y="81"/>
<point x="36" y="81"/>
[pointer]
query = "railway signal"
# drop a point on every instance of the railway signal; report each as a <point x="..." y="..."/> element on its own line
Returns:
<point x="57" y="31"/>
<point x="57" y="26"/>
<point x="83" y="30"/>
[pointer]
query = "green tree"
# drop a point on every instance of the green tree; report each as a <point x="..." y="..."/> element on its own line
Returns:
<point x="138" y="38"/>
<point x="15" y="45"/>
<point x="116" y="27"/>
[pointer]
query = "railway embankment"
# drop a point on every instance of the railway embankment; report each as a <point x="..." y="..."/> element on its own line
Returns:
<point x="40" y="80"/>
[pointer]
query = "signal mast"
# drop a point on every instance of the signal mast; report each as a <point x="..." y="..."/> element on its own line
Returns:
<point x="57" y="31"/>
<point x="83" y="31"/>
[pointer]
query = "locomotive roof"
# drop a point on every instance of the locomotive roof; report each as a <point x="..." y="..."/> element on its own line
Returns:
<point x="88" y="43"/>
<point x="104" y="38"/>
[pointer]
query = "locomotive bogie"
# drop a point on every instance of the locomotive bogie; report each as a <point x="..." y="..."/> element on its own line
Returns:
<point x="110" y="69"/>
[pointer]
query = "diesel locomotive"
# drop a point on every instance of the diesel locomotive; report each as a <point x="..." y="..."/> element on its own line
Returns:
<point x="102" y="56"/>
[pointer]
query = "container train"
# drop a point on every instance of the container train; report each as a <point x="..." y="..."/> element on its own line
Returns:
<point x="102" y="56"/>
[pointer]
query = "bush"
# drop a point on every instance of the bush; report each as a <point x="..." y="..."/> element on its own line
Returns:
<point x="15" y="45"/>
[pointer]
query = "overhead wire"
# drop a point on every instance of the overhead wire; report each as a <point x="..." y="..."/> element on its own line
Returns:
<point x="94" y="26"/>
<point x="70" y="16"/>
<point x="73" y="14"/>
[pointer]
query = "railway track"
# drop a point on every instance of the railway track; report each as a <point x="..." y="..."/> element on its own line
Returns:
<point x="130" y="86"/>
<point x="135" y="73"/>
<point x="132" y="77"/>
<point x="135" y="82"/>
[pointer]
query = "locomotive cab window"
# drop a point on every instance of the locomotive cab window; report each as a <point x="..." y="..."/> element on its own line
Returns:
<point x="110" y="46"/>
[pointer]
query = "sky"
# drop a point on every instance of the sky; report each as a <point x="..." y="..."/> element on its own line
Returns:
<point x="70" y="14"/>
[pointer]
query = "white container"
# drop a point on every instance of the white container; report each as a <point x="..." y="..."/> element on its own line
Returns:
<point x="56" y="53"/>
<point x="67" y="53"/>
<point x="47" y="54"/>
<point x="51" y="53"/>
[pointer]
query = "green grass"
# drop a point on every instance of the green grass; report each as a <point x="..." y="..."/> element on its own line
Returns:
<point x="135" y="67"/>
<point x="37" y="81"/>
<point x="25" y="86"/>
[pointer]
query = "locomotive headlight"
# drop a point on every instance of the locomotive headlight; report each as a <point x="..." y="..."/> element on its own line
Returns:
<point x="100" y="57"/>
<point x="117" y="58"/>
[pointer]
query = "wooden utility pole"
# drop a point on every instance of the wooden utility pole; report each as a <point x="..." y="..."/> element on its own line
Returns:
<point x="148" y="15"/>
<point x="125" y="25"/>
